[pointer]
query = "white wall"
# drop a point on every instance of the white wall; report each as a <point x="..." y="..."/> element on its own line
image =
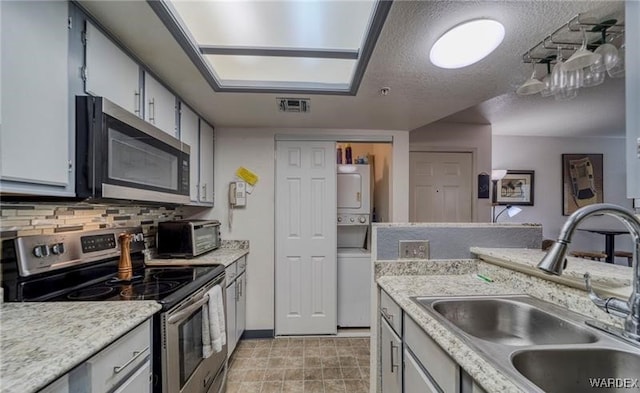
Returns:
<point x="254" y="148"/>
<point x="460" y="137"/>
<point x="544" y="156"/>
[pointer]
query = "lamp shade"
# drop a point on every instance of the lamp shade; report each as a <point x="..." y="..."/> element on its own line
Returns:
<point x="498" y="174"/>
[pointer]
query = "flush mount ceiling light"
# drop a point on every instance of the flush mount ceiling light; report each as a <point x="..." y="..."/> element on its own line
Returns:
<point x="467" y="43"/>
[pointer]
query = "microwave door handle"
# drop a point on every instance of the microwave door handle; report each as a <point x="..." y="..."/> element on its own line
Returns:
<point x="209" y="225"/>
<point x="188" y="311"/>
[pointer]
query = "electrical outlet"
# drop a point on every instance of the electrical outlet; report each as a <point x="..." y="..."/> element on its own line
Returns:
<point x="413" y="249"/>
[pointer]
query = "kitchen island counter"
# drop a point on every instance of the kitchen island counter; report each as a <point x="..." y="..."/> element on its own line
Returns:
<point x="43" y="341"/>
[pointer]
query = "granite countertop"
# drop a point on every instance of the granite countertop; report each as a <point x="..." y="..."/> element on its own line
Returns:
<point x="401" y="288"/>
<point x="452" y="224"/>
<point x="43" y="341"/>
<point x="604" y="275"/>
<point x="221" y="256"/>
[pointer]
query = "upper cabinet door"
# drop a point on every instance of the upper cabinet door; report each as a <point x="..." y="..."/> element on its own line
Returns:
<point x="34" y="144"/>
<point x="206" y="163"/>
<point x="189" y="135"/>
<point x="110" y="72"/>
<point x="160" y="106"/>
<point x="632" y="70"/>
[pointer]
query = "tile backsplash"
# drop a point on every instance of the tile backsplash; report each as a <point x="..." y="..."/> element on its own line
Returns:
<point x="24" y="219"/>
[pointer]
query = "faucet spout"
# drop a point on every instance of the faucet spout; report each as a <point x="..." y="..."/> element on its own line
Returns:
<point x="554" y="262"/>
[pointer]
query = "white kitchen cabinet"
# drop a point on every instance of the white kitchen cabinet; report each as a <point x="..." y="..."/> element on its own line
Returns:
<point x="160" y="106"/>
<point x="632" y="91"/>
<point x="236" y="277"/>
<point x="415" y="379"/>
<point x="232" y="292"/>
<point x="391" y="359"/>
<point x="196" y="133"/>
<point x="206" y="163"/>
<point x="36" y="133"/>
<point x="241" y="305"/>
<point x="110" y="73"/>
<point x="442" y="370"/>
<point x="124" y="365"/>
<point x="138" y="382"/>
<point x="189" y="134"/>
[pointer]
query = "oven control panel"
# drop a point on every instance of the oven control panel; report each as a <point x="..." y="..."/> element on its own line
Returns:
<point x="42" y="253"/>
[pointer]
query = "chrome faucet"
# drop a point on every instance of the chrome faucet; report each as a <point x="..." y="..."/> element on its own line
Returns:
<point x="554" y="262"/>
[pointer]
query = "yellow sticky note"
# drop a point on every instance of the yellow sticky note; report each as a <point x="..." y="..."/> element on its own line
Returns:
<point x="246" y="175"/>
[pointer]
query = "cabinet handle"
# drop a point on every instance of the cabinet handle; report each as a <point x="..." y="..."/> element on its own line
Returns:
<point x="393" y="366"/>
<point x="152" y="110"/>
<point x="240" y="281"/>
<point x="204" y="192"/>
<point x="235" y="293"/>
<point x="136" y="102"/>
<point x="385" y="313"/>
<point x="358" y="197"/>
<point x="136" y="354"/>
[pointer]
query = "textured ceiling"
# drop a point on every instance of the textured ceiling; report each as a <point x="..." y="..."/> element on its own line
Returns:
<point x="420" y="92"/>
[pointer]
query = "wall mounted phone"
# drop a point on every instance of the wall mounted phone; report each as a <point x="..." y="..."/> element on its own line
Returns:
<point x="237" y="193"/>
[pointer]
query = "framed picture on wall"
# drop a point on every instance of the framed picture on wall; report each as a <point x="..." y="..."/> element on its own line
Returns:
<point x="581" y="181"/>
<point x="516" y="188"/>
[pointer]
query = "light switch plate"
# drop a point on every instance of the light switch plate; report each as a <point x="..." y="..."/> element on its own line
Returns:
<point x="413" y="249"/>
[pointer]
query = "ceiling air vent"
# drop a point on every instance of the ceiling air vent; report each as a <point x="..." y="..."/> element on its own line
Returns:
<point x="300" y="105"/>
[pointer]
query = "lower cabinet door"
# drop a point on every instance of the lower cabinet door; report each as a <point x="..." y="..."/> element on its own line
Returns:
<point x="391" y="359"/>
<point x="139" y="382"/>
<point x="231" y="317"/>
<point x="415" y="379"/>
<point x="241" y="305"/>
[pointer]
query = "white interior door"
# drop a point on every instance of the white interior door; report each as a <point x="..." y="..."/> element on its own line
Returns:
<point x="440" y="187"/>
<point x="306" y="268"/>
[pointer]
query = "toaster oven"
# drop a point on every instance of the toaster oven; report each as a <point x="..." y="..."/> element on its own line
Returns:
<point x="187" y="238"/>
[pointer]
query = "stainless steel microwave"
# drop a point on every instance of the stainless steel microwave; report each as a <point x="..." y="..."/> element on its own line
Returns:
<point x="120" y="156"/>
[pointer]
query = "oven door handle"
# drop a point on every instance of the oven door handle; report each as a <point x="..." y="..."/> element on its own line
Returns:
<point x="186" y="312"/>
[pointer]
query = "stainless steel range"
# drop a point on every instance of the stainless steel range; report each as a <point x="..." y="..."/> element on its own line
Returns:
<point x="83" y="267"/>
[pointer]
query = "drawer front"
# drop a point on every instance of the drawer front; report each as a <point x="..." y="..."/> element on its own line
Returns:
<point x="139" y="382"/>
<point x="391" y="312"/>
<point x="415" y="379"/>
<point x="442" y="369"/>
<point x="242" y="264"/>
<point x="231" y="272"/>
<point x="114" y="363"/>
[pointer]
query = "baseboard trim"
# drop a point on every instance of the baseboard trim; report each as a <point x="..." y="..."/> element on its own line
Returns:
<point x="263" y="333"/>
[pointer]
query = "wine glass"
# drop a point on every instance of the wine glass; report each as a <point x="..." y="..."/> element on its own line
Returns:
<point x="531" y="85"/>
<point x="581" y="58"/>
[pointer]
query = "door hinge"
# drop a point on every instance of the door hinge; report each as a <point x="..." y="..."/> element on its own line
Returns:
<point x="70" y="166"/>
<point x="83" y="38"/>
<point x="83" y="73"/>
<point x="70" y="23"/>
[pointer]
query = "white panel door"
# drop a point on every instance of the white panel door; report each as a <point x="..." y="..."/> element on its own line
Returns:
<point x="440" y="187"/>
<point x="110" y="72"/>
<point x="35" y="116"/>
<point x="206" y="162"/>
<point x="306" y="269"/>
<point x="189" y="135"/>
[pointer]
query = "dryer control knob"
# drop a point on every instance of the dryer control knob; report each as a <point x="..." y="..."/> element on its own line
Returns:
<point x="352" y="219"/>
<point x="339" y="219"/>
<point x="362" y="219"/>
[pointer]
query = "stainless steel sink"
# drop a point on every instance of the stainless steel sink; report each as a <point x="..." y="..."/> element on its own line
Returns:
<point x="540" y="346"/>
<point x="510" y="322"/>
<point x="578" y="370"/>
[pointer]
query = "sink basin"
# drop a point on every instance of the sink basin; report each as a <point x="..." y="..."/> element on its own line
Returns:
<point x="510" y="322"/>
<point x="570" y="370"/>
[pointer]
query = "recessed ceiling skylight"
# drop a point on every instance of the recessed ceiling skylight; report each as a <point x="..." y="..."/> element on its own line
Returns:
<point x="277" y="46"/>
<point x="467" y="43"/>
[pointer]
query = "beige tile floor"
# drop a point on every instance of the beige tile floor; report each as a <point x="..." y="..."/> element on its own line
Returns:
<point x="300" y="365"/>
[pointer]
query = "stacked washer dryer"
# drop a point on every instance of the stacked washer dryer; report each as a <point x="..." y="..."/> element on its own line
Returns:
<point x="355" y="189"/>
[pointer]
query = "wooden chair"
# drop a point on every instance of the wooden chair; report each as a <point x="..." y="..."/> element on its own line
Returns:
<point x="593" y="255"/>
<point x="624" y="254"/>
